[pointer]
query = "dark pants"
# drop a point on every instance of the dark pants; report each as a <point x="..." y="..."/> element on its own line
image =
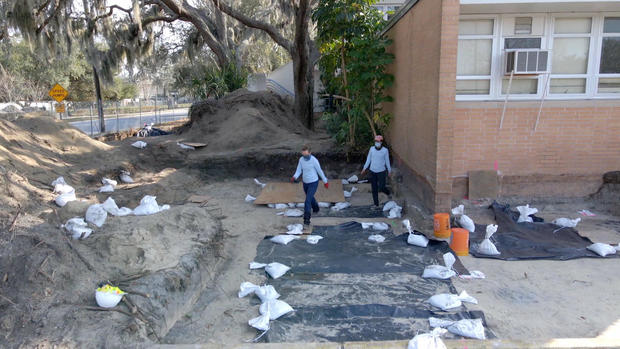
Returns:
<point x="377" y="181"/>
<point x="310" y="203"/>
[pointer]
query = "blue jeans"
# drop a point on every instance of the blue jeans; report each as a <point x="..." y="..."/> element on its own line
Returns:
<point x="310" y="203"/>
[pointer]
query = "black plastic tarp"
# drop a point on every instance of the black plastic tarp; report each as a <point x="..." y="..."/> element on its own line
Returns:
<point x="517" y="241"/>
<point x="347" y="288"/>
<point x="353" y="211"/>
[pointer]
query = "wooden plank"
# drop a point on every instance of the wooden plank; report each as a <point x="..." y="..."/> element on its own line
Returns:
<point x="195" y="145"/>
<point x="283" y="192"/>
<point x="199" y="199"/>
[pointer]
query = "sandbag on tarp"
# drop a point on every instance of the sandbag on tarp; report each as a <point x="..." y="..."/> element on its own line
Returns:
<point x="353" y="211"/>
<point x="357" y="289"/>
<point x="517" y="241"/>
<point x="346" y="249"/>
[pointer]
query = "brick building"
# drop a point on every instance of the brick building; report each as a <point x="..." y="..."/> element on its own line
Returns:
<point x="530" y="89"/>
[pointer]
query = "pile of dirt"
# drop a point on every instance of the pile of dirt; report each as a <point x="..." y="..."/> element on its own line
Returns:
<point x="247" y="120"/>
<point x="47" y="280"/>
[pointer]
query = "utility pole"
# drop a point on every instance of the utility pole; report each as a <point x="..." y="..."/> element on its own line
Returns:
<point x="99" y="100"/>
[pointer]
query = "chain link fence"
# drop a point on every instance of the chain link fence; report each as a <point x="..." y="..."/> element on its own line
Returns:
<point x="124" y="115"/>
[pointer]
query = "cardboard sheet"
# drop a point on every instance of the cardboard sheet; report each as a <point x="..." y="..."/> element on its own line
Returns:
<point x="283" y="192"/>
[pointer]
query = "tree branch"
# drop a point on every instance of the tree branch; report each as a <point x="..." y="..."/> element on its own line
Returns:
<point x="252" y="23"/>
<point x="43" y="6"/>
<point x="168" y="19"/>
<point x="111" y="11"/>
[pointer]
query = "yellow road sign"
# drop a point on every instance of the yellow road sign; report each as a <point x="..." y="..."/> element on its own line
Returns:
<point x="58" y="93"/>
<point x="60" y="108"/>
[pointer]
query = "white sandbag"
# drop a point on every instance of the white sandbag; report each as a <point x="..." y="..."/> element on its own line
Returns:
<point x="78" y="228"/>
<point x="271" y="205"/>
<point x="428" y="340"/>
<point x="313" y="239"/>
<point x="281" y="206"/>
<point x="148" y="205"/>
<point x="486" y="246"/>
<point x="293" y="212"/>
<point x="260" y="323"/>
<point x="395" y="212"/>
<point x="467" y="223"/>
<point x="473" y="274"/>
<point x="340" y="206"/>
<point x="300" y="205"/>
<point x="417" y="240"/>
<point x="459" y="210"/>
<point x="61" y="187"/>
<point x="283" y="239"/>
<point x="348" y="194"/>
<point x="62" y="199"/>
<point x="185" y="146"/>
<point x="602" y="249"/>
<point x="108" y="188"/>
<point x="353" y="179"/>
<point x="106" y="181"/>
<point x="96" y="215"/>
<point x="276" y="308"/>
<point x="447" y="301"/>
<point x="617" y="248"/>
<point x="139" y="144"/>
<point x="262" y="185"/>
<point x="440" y="271"/>
<point x="389" y="205"/>
<point x="275" y="269"/>
<point x="407" y="225"/>
<point x="266" y="293"/>
<point x="566" y="222"/>
<point x="344" y="181"/>
<point x="292" y="205"/>
<point x="375" y="226"/>
<point x="256" y="265"/>
<point x="59" y="180"/>
<point x="376" y="238"/>
<point x="295" y="229"/>
<point x="246" y="288"/>
<point x="125" y="177"/>
<point x="525" y="212"/>
<point x="110" y="207"/>
<point x="324" y="204"/>
<point x="249" y="198"/>
<point x="470" y="328"/>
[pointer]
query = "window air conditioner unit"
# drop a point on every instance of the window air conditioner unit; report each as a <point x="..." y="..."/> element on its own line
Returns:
<point x="527" y="61"/>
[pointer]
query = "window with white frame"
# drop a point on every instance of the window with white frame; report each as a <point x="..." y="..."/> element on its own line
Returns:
<point x="609" y="69"/>
<point x="475" y="51"/>
<point x="570" y="52"/>
<point x="583" y="62"/>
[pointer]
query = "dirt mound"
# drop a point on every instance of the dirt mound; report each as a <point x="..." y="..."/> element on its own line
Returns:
<point x="245" y="119"/>
<point x="608" y="195"/>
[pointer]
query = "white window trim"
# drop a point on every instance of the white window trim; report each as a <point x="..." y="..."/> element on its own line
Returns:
<point x="497" y="58"/>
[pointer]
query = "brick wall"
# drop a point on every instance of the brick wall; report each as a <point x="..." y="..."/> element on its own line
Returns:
<point x="574" y="144"/>
<point x="425" y="43"/>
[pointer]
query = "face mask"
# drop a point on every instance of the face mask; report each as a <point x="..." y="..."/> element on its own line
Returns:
<point x="378" y="145"/>
<point x="306" y="157"/>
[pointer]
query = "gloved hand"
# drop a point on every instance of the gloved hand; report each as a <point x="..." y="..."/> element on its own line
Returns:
<point x="326" y="185"/>
<point x="292" y="179"/>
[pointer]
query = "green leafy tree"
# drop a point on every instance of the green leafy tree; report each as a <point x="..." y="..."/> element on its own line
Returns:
<point x="353" y="67"/>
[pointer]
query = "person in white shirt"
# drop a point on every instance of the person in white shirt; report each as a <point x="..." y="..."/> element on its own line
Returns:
<point x="310" y="170"/>
<point x="378" y="161"/>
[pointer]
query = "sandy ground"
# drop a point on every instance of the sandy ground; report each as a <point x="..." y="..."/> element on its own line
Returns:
<point x="521" y="300"/>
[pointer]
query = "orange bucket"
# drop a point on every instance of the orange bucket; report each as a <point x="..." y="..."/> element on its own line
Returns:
<point x="441" y="223"/>
<point x="460" y="241"/>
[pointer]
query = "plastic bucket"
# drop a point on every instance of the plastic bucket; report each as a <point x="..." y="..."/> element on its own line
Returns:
<point x="460" y="241"/>
<point x="441" y="224"/>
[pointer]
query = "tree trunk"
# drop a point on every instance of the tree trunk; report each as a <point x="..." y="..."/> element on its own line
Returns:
<point x="304" y="88"/>
<point x="99" y="100"/>
<point x="302" y="67"/>
<point x="343" y="67"/>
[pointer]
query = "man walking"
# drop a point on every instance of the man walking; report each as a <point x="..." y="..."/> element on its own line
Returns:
<point x="311" y="169"/>
<point x="379" y="162"/>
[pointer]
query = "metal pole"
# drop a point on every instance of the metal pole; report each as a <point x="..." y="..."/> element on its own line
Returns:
<point x="117" y="125"/>
<point x="90" y="111"/>
<point x="501" y="121"/>
<point x="542" y="101"/>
